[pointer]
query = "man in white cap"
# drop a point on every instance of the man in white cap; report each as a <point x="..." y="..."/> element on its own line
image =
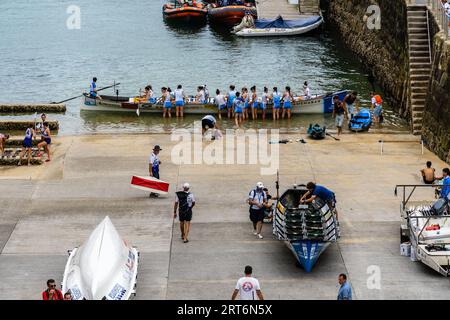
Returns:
<point x="184" y="201"/>
<point x="257" y="198"/>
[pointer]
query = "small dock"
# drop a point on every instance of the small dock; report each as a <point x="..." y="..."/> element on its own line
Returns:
<point x="270" y="9"/>
<point x="31" y="107"/>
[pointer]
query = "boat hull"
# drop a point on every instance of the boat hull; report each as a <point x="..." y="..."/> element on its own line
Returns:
<point x="185" y="14"/>
<point x="229" y="15"/>
<point x="316" y="105"/>
<point x="277" y="32"/>
<point x="103" y="268"/>
<point x="307" y="252"/>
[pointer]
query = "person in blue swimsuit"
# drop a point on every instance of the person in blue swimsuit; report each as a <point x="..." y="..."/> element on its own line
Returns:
<point x="287" y="102"/>
<point x="47" y="140"/>
<point x="254" y="102"/>
<point x="245" y="98"/>
<point x="93" y="89"/>
<point x="27" y="144"/>
<point x="276" y="100"/>
<point x="230" y="98"/>
<point x="264" y="101"/>
<point x="167" y="102"/>
<point x="238" y="106"/>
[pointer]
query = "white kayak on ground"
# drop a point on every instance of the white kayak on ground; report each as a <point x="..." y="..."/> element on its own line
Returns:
<point x="103" y="268"/>
<point x="281" y="27"/>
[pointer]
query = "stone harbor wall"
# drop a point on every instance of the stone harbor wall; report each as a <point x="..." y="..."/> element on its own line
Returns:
<point x="436" y="117"/>
<point x="383" y="52"/>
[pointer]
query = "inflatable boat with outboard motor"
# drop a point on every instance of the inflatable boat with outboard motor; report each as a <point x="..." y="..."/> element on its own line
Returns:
<point x="185" y="13"/>
<point x="307" y="229"/>
<point x="317" y="132"/>
<point x="361" y="121"/>
<point x="103" y="268"/>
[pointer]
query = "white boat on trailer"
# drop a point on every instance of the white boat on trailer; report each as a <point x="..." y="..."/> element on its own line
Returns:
<point x="280" y="27"/>
<point x="103" y="268"/>
<point x="316" y="104"/>
<point x="427" y="228"/>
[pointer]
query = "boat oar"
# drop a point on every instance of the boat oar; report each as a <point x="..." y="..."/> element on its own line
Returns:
<point x="337" y="139"/>
<point x="73" y="98"/>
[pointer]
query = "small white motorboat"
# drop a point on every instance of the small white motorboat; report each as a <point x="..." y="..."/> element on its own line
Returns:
<point x="103" y="268"/>
<point x="281" y="27"/>
<point x="427" y="230"/>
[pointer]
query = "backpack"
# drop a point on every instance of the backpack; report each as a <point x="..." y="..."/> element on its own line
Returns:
<point x="183" y="203"/>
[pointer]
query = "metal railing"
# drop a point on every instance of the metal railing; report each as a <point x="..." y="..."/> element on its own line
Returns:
<point x="437" y="8"/>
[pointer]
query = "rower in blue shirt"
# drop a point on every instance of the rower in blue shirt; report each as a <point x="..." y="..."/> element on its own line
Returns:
<point x="93" y="89"/>
<point x="316" y="191"/>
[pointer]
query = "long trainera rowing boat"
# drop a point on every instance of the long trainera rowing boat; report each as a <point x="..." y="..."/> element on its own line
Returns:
<point x="315" y="105"/>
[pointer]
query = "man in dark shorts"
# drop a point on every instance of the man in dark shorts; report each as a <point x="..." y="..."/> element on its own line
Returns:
<point x="184" y="201"/>
<point x="316" y="191"/>
<point x="257" y="199"/>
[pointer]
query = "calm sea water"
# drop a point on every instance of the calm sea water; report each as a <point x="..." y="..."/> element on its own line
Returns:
<point x="41" y="60"/>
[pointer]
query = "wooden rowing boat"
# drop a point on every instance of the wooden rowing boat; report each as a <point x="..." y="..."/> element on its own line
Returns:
<point x="319" y="104"/>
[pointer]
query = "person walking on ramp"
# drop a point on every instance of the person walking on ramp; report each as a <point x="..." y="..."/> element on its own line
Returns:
<point x="257" y="199"/>
<point x="184" y="201"/>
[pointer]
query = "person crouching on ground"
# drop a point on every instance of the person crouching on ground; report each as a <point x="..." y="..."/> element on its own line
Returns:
<point x="51" y="293"/>
<point x="184" y="201"/>
<point x="428" y="174"/>
<point x="153" y="166"/>
<point x="339" y="112"/>
<point x="324" y="194"/>
<point x="209" y="122"/>
<point x="3" y="138"/>
<point x="27" y="144"/>
<point x="257" y="199"/>
<point x="47" y="140"/>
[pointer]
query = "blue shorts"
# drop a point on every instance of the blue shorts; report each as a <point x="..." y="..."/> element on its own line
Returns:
<point x="155" y="172"/>
<point x="377" y="111"/>
<point x="93" y="94"/>
<point x="179" y="103"/>
<point x="230" y="103"/>
<point x="28" y="143"/>
<point x="152" y="100"/>
<point x="222" y="106"/>
<point x="237" y="110"/>
<point x="245" y="105"/>
<point x="287" y="105"/>
<point x="168" y="105"/>
<point x="262" y="106"/>
<point x="276" y="105"/>
<point x="48" y="141"/>
<point x="255" y="104"/>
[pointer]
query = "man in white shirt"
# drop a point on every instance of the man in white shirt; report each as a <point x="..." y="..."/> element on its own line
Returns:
<point x="306" y="91"/>
<point x="247" y="287"/>
<point x="153" y="165"/>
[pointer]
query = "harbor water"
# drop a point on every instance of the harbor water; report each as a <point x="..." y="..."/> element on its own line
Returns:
<point x="44" y="59"/>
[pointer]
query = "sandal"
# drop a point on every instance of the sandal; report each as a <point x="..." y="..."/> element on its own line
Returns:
<point x="48" y="160"/>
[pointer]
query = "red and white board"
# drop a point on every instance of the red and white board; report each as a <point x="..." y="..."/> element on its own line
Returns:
<point x="150" y="184"/>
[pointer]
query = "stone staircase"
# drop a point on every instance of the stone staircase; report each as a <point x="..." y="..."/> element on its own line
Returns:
<point x="419" y="63"/>
<point x="309" y="7"/>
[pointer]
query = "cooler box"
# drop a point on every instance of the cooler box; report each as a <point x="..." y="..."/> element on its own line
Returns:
<point x="405" y="249"/>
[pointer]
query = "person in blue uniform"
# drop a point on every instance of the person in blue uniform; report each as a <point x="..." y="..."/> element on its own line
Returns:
<point x="93" y="89"/>
<point x="324" y="194"/>
<point x="276" y="99"/>
<point x="46" y="141"/>
<point x="345" y="290"/>
<point x="230" y="98"/>
<point x="153" y="165"/>
<point x="27" y="144"/>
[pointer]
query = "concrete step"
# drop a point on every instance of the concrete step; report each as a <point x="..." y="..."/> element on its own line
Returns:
<point x="417" y="108"/>
<point x="418" y="95"/>
<point x="418" y="102"/>
<point x="420" y="77"/>
<point x="416" y="90"/>
<point x="420" y="71"/>
<point x="417" y="120"/>
<point x="419" y="46"/>
<point x="420" y="65"/>
<point x="416" y="30"/>
<point x="416" y="53"/>
<point x="417" y="24"/>
<point x="417" y="18"/>
<point x="425" y="59"/>
<point x="419" y="42"/>
<point x="416" y="36"/>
